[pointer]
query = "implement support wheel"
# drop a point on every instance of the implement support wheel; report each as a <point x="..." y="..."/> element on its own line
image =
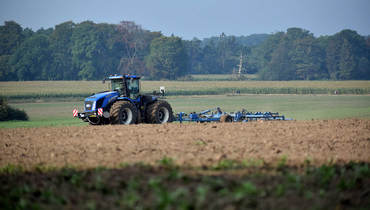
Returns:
<point x="226" y="119"/>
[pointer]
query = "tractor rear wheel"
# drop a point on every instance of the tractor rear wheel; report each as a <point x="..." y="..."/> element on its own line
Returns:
<point x="159" y="112"/>
<point x="123" y="112"/>
<point x="226" y="118"/>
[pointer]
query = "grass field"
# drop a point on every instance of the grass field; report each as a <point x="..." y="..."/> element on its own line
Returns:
<point x="46" y="114"/>
<point x="298" y="107"/>
<point x="49" y="103"/>
<point x="34" y="90"/>
<point x="220" y="77"/>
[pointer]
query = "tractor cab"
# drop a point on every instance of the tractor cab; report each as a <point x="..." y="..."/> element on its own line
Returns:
<point x="126" y="85"/>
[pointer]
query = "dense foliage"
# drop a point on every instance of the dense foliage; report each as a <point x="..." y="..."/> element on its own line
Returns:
<point x="298" y="55"/>
<point x="88" y="51"/>
<point x="73" y="51"/>
<point x="9" y="113"/>
<point x="167" y="58"/>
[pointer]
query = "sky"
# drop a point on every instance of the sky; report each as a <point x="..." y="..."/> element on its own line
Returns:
<point x="197" y="18"/>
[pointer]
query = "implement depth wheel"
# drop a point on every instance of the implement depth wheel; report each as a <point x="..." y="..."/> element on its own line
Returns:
<point x="159" y="112"/>
<point x="226" y="119"/>
<point x="123" y="112"/>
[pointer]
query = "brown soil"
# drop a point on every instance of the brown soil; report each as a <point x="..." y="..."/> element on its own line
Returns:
<point x="190" y="144"/>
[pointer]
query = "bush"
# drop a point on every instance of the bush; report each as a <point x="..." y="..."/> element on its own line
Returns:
<point x="10" y="113"/>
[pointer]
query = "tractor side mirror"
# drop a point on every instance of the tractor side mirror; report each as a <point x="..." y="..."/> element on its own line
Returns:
<point x="162" y="90"/>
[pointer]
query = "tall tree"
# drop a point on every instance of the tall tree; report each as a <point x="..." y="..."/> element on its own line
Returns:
<point x="91" y="50"/>
<point x="347" y="56"/>
<point x="279" y="67"/>
<point x="84" y="50"/>
<point x="296" y="56"/>
<point x="195" y="55"/>
<point x="134" y="43"/>
<point x="11" y="37"/>
<point x="260" y="56"/>
<point x="210" y="64"/>
<point x="167" y="58"/>
<point x="5" y="69"/>
<point x="31" y="60"/>
<point x="61" y="47"/>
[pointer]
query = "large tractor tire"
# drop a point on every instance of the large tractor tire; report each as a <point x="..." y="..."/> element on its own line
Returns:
<point x="226" y="119"/>
<point x="123" y="112"/>
<point x="159" y="112"/>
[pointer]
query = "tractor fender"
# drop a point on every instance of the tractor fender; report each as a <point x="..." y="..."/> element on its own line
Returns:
<point x="146" y="101"/>
<point x="107" y="104"/>
<point x="110" y="102"/>
<point x="133" y="102"/>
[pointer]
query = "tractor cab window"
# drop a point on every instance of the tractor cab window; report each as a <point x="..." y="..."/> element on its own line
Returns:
<point x="133" y="86"/>
<point x="117" y="85"/>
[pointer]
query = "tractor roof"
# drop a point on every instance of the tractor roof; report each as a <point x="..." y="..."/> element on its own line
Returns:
<point x="123" y="76"/>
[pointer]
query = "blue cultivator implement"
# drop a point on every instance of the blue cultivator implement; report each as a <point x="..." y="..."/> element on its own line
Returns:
<point x="216" y="115"/>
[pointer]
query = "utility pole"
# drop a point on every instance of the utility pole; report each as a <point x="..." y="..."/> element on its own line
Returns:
<point x="240" y="65"/>
<point x="240" y="70"/>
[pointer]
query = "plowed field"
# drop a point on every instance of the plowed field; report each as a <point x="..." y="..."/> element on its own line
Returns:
<point x="188" y="144"/>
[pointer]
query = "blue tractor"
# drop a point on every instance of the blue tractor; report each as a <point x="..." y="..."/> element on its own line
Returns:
<point x="124" y="104"/>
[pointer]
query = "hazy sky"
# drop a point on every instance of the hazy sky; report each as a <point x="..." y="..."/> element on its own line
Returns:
<point x="197" y="18"/>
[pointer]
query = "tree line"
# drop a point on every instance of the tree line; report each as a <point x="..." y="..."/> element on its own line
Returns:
<point x="292" y="55"/>
<point x="90" y="51"/>
<point x="298" y="55"/>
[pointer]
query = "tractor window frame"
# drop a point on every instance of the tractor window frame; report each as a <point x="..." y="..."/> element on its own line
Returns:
<point x="117" y="85"/>
<point x="133" y="86"/>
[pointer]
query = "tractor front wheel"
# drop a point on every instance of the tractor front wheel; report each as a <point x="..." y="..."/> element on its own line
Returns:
<point x="159" y="112"/>
<point x="94" y="120"/>
<point x="123" y="112"/>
